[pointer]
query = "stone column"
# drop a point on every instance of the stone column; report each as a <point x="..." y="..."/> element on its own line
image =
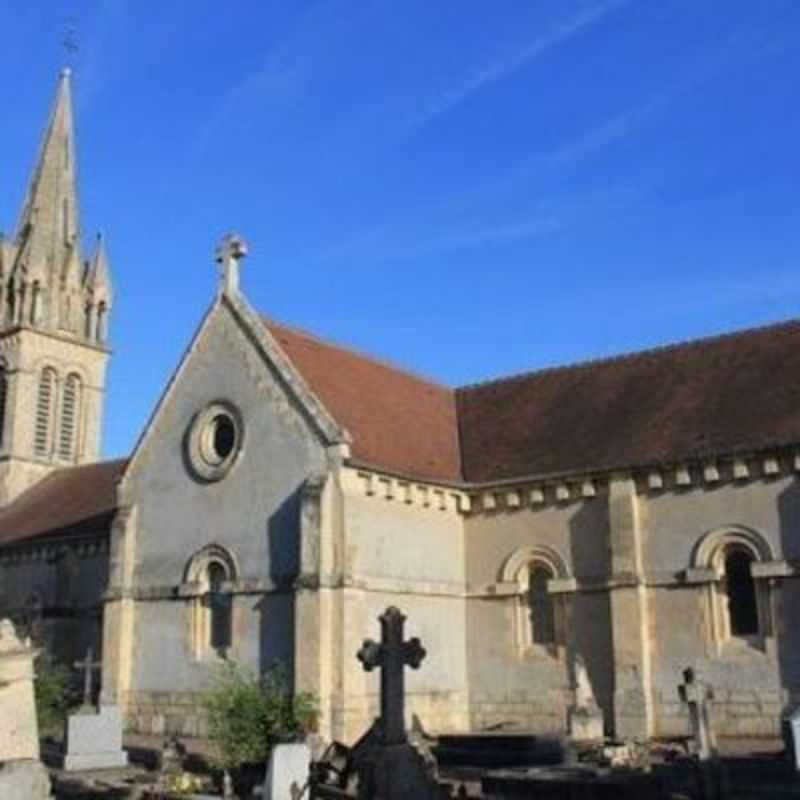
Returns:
<point x="633" y="705"/>
<point x="315" y="619"/>
<point x="22" y="776"/>
<point x="119" y="610"/>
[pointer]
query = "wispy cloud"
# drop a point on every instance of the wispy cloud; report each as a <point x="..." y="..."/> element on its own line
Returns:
<point x="288" y="65"/>
<point x="516" y="58"/>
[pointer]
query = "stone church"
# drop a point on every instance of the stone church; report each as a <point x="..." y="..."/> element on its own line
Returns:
<point x="639" y="514"/>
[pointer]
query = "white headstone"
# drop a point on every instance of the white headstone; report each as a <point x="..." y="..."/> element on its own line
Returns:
<point x="94" y="740"/>
<point x="792" y="737"/>
<point x="289" y="766"/>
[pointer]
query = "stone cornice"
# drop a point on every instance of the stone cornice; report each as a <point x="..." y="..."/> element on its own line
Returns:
<point x="423" y="494"/>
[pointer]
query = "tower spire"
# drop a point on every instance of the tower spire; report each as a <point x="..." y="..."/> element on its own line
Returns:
<point x="48" y="237"/>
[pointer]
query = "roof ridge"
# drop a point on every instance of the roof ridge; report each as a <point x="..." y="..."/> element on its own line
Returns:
<point x="632" y="355"/>
<point x="379" y="361"/>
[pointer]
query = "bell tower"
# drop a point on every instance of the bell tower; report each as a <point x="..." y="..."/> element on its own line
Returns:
<point x="54" y="312"/>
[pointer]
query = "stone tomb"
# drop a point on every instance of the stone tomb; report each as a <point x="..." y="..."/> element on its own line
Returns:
<point x="22" y="776"/>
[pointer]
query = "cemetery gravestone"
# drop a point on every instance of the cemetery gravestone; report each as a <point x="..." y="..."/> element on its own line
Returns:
<point x="94" y="735"/>
<point x="791" y="737"/>
<point x="289" y="766"/>
<point x="393" y="769"/>
<point x="585" y="718"/>
<point x="22" y="776"/>
<point x="698" y="696"/>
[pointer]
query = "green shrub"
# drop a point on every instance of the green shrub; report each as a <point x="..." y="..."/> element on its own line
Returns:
<point x="248" y="715"/>
<point x="52" y="691"/>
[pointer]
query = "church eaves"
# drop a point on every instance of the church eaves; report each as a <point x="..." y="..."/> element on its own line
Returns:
<point x="719" y="396"/>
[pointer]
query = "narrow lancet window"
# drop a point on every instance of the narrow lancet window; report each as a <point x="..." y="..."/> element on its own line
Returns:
<point x="70" y="415"/>
<point x="44" y="412"/>
<point x="742" y="601"/>
<point x="540" y="605"/>
<point x="219" y="606"/>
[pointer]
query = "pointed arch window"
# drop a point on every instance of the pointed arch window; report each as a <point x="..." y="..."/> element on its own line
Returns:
<point x="44" y="412"/>
<point x="70" y="417"/>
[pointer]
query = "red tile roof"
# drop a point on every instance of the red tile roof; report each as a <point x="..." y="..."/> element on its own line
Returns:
<point x="72" y="500"/>
<point x="733" y="393"/>
<point x="398" y="421"/>
<point x="725" y="394"/>
<point x="712" y="396"/>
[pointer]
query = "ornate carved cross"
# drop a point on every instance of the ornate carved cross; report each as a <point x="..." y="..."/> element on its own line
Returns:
<point x="88" y="666"/>
<point x="392" y="655"/>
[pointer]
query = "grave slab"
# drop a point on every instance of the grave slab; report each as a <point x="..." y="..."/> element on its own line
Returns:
<point x="289" y="765"/>
<point x="94" y="740"/>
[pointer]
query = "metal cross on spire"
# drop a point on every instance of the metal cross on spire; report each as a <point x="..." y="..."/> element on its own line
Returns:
<point x="392" y="655"/>
<point x="70" y="44"/>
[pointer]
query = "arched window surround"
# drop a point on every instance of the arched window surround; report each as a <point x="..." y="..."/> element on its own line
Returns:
<point x="539" y="619"/>
<point x="712" y="555"/>
<point x="210" y="577"/>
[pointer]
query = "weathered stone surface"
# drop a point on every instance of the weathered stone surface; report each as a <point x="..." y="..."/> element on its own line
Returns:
<point x="24" y="780"/>
<point x="19" y="738"/>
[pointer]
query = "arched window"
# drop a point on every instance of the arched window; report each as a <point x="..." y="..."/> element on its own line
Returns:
<point x="738" y="605"/>
<point x="209" y="579"/>
<point x="740" y="589"/>
<point x="44" y="412"/>
<point x="219" y="609"/>
<point x="3" y="400"/>
<point x="540" y="605"/>
<point x="540" y="614"/>
<point x="70" y="417"/>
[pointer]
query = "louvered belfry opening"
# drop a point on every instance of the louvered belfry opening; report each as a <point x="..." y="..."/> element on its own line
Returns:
<point x="44" y="412"/>
<point x="70" y="407"/>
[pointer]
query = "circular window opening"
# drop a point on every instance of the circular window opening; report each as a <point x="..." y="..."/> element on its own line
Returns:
<point x="221" y="438"/>
<point x="214" y="441"/>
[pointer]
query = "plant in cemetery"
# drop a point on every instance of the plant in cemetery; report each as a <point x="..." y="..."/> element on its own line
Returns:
<point x="52" y="691"/>
<point x="249" y="714"/>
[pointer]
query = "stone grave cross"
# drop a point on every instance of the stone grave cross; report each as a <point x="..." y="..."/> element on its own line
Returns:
<point x="392" y="655"/>
<point x="698" y="696"/>
<point x="88" y="666"/>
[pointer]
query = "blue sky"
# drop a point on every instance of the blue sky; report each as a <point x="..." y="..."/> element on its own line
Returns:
<point x="469" y="189"/>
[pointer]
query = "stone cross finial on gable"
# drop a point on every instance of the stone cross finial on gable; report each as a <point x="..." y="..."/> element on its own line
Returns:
<point x="392" y="655"/>
<point x="230" y="251"/>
